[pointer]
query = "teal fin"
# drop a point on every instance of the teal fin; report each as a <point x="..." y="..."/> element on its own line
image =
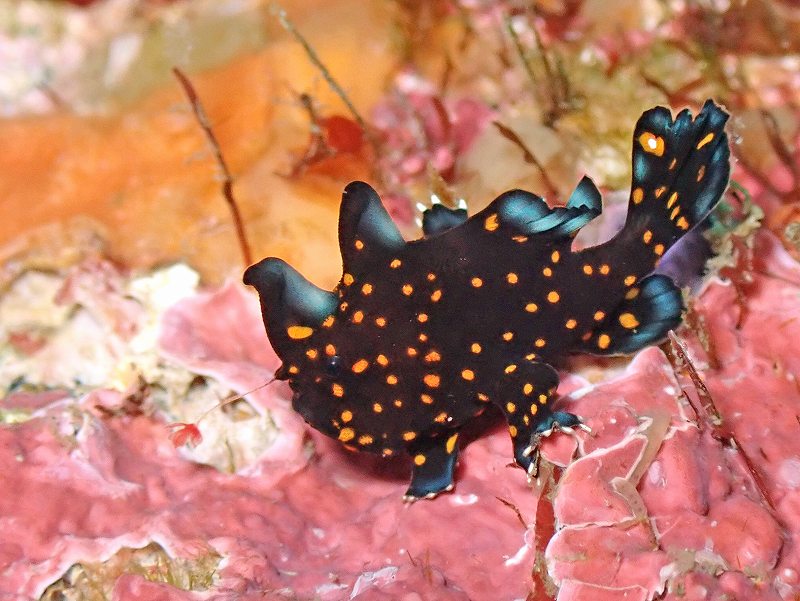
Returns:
<point x="365" y="227"/>
<point x="434" y="462"/>
<point x="651" y="308"/>
<point x="525" y="214"/>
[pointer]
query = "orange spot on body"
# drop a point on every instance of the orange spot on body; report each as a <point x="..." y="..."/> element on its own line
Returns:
<point x="475" y="348"/>
<point x="360" y="365"/>
<point x="491" y="223"/>
<point x="380" y="321"/>
<point x="637" y="196"/>
<point x="432" y="357"/>
<point x="431" y="380"/>
<point x="347" y="434"/>
<point x="531" y="307"/>
<point x="570" y="324"/>
<point x="553" y="296"/>
<point x="366" y="289"/>
<point x="468" y="374"/>
<point x="476" y="282"/>
<point x="508" y="336"/>
<point x="338" y="390"/>
<point x="437" y="294"/>
<point x="512" y="278"/>
<point x="408" y="289"/>
<point x="603" y="341"/>
<point x="395" y="263"/>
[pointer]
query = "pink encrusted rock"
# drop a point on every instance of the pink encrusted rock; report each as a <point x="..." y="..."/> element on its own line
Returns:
<point x="656" y="507"/>
<point x="131" y="587"/>
<point x="328" y="524"/>
<point x="653" y="505"/>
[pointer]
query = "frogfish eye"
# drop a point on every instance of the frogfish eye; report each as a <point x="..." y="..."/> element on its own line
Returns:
<point x="333" y="365"/>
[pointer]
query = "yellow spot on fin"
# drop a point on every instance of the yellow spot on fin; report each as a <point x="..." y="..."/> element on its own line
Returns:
<point x="450" y="445"/>
<point x="708" y="137"/>
<point x="299" y="332"/>
<point x="652" y="144"/>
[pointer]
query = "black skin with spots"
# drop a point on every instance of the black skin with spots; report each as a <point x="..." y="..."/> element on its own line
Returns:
<point x="419" y="336"/>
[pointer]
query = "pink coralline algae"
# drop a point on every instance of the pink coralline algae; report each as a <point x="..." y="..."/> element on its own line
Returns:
<point x="419" y="129"/>
<point x="655" y="506"/>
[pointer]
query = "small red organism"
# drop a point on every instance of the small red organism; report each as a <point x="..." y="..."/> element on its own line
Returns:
<point x="341" y="134"/>
<point x="185" y="433"/>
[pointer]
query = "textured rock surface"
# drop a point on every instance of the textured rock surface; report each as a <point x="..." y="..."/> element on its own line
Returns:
<point x="317" y="520"/>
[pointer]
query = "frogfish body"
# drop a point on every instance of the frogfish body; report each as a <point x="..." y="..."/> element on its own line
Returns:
<point x="419" y="336"/>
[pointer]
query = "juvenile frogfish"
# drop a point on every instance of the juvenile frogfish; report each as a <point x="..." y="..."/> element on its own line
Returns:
<point x="419" y="336"/>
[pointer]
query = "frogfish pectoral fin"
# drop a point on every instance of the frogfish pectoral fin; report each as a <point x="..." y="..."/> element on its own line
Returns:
<point x="292" y="307"/>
